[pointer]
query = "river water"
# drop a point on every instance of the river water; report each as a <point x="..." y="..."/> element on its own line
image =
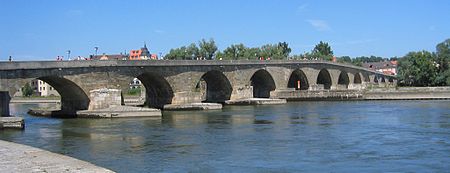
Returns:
<point x="353" y="136"/>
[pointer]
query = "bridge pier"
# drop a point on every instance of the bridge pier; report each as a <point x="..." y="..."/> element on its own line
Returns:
<point x="4" y="103"/>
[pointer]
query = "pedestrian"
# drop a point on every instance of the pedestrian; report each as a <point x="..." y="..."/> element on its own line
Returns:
<point x="10" y="58"/>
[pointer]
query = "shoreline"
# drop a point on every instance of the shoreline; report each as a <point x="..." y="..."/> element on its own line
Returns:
<point x="16" y="157"/>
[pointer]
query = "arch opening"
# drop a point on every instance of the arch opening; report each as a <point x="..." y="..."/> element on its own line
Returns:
<point x="391" y="80"/>
<point x="262" y="83"/>
<point x="215" y="87"/>
<point x="298" y="80"/>
<point x="158" y="91"/>
<point x="383" y="80"/>
<point x="324" y="78"/>
<point x="357" y="79"/>
<point x="343" y="79"/>
<point x="73" y="98"/>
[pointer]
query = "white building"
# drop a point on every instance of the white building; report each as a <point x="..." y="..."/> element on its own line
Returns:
<point x="136" y="83"/>
<point x="42" y="88"/>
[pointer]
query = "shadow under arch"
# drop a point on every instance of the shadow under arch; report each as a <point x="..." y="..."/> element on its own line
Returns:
<point x="383" y="80"/>
<point x="357" y="79"/>
<point x="73" y="98"/>
<point x="217" y="89"/>
<point x="324" y="78"/>
<point x="298" y="80"/>
<point x="343" y="79"/>
<point x="262" y="83"/>
<point x="158" y="90"/>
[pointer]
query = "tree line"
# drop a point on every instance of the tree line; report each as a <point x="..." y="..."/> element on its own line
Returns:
<point x="424" y="68"/>
<point x="207" y="50"/>
<point x="421" y="68"/>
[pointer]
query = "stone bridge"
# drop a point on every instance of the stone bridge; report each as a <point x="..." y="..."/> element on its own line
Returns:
<point x="182" y="82"/>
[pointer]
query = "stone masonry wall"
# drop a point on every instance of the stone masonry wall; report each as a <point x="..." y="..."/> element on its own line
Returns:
<point x="105" y="98"/>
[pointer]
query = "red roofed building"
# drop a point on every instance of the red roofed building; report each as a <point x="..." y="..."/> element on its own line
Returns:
<point x="142" y="54"/>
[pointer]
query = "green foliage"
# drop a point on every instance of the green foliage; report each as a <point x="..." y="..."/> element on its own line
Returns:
<point x="134" y="91"/>
<point x="344" y="59"/>
<point x="322" y="49"/>
<point x="27" y="91"/>
<point x="235" y="52"/>
<point x="442" y="60"/>
<point x="207" y="48"/>
<point x="358" y="61"/>
<point x="417" y="69"/>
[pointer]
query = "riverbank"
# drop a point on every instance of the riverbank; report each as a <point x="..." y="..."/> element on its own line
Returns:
<point x="35" y="100"/>
<point x="21" y="158"/>
<point x="408" y="93"/>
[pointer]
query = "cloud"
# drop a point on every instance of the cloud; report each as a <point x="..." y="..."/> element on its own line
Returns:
<point x="319" y="25"/>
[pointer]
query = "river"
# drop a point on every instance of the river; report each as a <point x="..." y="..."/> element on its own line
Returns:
<point x="352" y="136"/>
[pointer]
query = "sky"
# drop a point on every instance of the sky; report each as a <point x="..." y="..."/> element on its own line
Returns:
<point x="43" y="29"/>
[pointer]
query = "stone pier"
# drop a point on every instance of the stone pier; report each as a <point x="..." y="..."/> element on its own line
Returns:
<point x="4" y="103"/>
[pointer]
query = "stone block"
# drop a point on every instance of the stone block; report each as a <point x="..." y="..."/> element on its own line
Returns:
<point x="105" y="98"/>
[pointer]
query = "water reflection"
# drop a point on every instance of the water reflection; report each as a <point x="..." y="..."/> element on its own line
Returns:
<point x="374" y="136"/>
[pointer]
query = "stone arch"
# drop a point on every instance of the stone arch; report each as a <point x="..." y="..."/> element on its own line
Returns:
<point x="324" y="78"/>
<point x="357" y="79"/>
<point x="217" y="89"/>
<point x="366" y="78"/>
<point x="343" y="79"/>
<point x="262" y="83"/>
<point x="73" y="98"/>
<point x="391" y="80"/>
<point x="298" y="80"/>
<point x="383" y="80"/>
<point x="157" y="90"/>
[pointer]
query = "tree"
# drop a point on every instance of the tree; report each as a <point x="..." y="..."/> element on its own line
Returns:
<point x="417" y="69"/>
<point x="284" y="49"/>
<point x="252" y="53"/>
<point x="322" y="51"/>
<point x="192" y="52"/>
<point x="442" y="60"/>
<point x="235" y="52"/>
<point x="27" y="91"/>
<point x="344" y="59"/>
<point x="177" y="54"/>
<point x="207" y="48"/>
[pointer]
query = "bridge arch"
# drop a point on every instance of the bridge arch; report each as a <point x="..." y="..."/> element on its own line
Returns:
<point x="217" y="89"/>
<point x="158" y="90"/>
<point x="298" y="80"/>
<point x="262" y="83"/>
<point x="324" y="78"/>
<point x="73" y="98"/>
<point x="357" y="78"/>
<point x="391" y="80"/>
<point x="343" y="79"/>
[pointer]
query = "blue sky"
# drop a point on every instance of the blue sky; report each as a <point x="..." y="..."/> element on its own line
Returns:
<point x="44" y="29"/>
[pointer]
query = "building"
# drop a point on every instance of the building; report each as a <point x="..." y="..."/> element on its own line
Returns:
<point x="42" y="88"/>
<point x="142" y="54"/>
<point x="386" y="67"/>
<point x="135" y="83"/>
